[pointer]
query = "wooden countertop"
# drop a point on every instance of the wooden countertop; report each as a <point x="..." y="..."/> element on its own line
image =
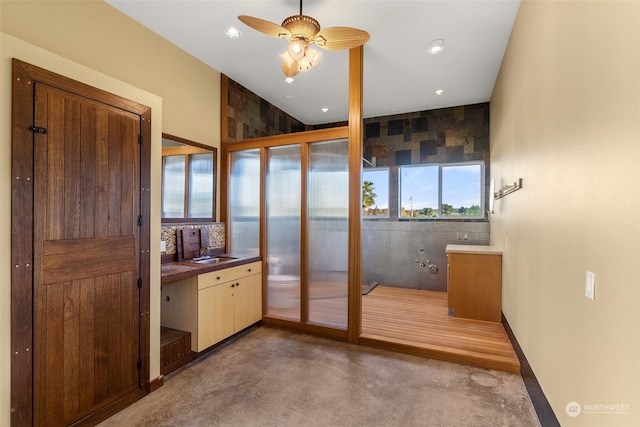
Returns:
<point x="172" y="271"/>
<point x="474" y="249"/>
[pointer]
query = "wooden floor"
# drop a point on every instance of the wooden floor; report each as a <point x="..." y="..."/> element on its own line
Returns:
<point x="416" y="322"/>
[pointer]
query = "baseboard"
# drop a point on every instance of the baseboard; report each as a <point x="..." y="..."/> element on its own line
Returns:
<point x="543" y="409"/>
<point x="156" y="384"/>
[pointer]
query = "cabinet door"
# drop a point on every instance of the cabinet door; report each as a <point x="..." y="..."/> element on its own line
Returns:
<point x="248" y="301"/>
<point x="215" y="314"/>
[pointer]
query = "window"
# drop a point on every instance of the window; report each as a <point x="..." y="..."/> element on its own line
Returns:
<point x="450" y="191"/>
<point x="375" y="193"/>
<point x="188" y="181"/>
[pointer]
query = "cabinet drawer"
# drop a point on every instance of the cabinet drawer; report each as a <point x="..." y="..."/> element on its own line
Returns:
<point x="227" y="274"/>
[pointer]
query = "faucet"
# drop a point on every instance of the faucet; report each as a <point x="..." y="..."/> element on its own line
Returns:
<point x="204" y="251"/>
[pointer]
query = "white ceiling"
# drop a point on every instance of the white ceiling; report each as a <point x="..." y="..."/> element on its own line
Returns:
<point x="399" y="75"/>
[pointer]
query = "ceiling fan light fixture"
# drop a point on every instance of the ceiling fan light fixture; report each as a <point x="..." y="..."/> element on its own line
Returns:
<point x="313" y="56"/>
<point x="289" y="65"/>
<point x="303" y="31"/>
<point x="297" y="49"/>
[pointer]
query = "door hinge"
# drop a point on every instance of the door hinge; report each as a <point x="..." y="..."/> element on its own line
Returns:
<point x="140" y="138"/>
<point x="139" y="283"/>
<point x="139" y="219"/>
<point x="139" y="364"/>
<point x="38" y="129"/>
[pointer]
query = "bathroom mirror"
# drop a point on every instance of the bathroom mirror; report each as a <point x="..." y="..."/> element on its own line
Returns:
<point x="188" y="180"/>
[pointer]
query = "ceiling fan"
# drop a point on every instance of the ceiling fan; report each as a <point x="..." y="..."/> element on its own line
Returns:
<point x="303" y="31"/>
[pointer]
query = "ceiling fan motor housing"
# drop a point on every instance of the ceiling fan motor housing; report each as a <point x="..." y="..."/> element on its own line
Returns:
<point x="302" y="27"/>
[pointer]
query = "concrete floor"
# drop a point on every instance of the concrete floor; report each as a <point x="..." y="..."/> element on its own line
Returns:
<point x="271" y="377"/>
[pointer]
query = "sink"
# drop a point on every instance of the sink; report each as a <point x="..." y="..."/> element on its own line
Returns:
<point x="214" y="260"/>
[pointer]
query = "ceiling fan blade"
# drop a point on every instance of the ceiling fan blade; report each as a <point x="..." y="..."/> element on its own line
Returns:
<point x="338" y="38"/>
<point x="266" y="27"/>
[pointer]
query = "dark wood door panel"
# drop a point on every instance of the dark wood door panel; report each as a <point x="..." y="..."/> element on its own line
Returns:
<point x="75" y="259"/>
<point x="90" y="166"/>
<point x="78" y="369"/>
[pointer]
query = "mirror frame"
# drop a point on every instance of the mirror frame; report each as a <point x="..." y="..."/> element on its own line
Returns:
<point x="197" y="145"/>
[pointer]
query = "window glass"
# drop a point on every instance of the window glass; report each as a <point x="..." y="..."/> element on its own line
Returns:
<point x="462" y="190"/>
<point x="375" y="193"/>
<point x="419" y="188"/>
<point x="442" y="191"/>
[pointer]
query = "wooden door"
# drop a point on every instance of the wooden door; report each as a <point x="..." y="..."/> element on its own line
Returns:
<point x="86" y="312"/>
<point x="86" y="194"/>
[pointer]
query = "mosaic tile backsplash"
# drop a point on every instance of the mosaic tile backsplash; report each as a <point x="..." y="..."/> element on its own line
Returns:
<point x="168" y="234"/>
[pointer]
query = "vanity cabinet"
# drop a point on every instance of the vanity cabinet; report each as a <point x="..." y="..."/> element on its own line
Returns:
<point x="474" y="282"/>
<point x="215" y="305"/>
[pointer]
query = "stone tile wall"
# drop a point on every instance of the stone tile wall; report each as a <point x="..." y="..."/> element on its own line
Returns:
<point x="249" y="116"/>
<point x="437" y="136"/>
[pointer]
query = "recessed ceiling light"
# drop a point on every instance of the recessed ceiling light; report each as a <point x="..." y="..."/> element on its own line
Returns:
<point x="324" y="110"/>
<point x="289" y="80"/>
<point x="437" y="46"/>
<point x="439" y="92"/>
<point x="232" y="33"/>
<point x="287" y="97"/>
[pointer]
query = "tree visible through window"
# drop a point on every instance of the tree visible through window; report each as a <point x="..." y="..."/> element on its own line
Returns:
<point x="375" y="193"/>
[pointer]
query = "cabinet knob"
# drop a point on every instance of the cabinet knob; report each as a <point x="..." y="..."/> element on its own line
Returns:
<point x="218" y="278"/>
<point x="249" y="270"/>
<point x="238" y="284"/>
<point x="233" y="285"/>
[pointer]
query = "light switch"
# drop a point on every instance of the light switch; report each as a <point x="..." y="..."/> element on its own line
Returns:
<point x="163" y="246"/>
<point x="590" y="286"/>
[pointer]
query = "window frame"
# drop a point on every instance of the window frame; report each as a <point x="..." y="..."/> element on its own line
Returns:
<point x="190" y="148"/>
<point x="440" y="167"/>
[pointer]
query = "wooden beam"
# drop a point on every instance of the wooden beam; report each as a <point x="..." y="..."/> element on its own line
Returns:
<point x="355" y="193"/>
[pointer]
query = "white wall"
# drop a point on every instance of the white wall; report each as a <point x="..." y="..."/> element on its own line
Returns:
<point x="565" y="117"/>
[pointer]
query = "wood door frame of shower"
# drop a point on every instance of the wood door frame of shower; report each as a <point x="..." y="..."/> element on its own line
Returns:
<point x="354" y="133"/>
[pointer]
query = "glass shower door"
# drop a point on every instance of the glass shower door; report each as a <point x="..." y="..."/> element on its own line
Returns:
<point x="244" y="202"/>
<point x="327" y="228"/>
<point x="283" y="211"/>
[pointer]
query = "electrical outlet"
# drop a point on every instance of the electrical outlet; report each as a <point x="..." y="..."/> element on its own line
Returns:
<point x="163" y="246"/>
<point x="590" y="286"/>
